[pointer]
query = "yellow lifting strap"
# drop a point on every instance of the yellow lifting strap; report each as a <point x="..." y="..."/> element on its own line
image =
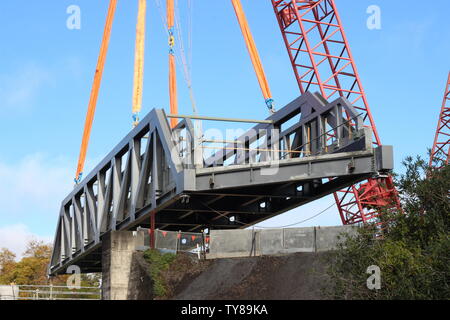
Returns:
<point x="139" y="61"/>
<point x="254" y="55"/>
<point x="95" y="89"/>
<point x="172" y="64"/>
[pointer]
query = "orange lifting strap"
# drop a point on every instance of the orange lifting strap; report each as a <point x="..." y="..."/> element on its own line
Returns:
<point x="254" y="55"/>
<point x="172" y="65"/>
<point x="139" y="61"/>
<point x="95" y="89"/>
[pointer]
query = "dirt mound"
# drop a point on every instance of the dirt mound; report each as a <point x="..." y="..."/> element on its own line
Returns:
<point x="292" y="277"/>
<point x="182" y="271"/>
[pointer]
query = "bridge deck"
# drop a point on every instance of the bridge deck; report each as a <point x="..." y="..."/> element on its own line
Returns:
<point x="307" y="150"/>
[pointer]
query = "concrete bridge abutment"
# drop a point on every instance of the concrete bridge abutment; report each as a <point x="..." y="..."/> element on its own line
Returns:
<point x="121" y="277"/>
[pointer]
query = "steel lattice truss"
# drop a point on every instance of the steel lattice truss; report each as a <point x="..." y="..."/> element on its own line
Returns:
<point x="440" y="154"/>
<point x="305" y="151"/>
<point x="322" y="62"/>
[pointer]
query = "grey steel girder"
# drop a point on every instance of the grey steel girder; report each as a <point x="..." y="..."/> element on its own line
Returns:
<point x="307" y="150"/>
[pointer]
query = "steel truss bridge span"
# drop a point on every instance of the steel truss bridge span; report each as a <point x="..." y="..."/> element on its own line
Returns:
<point x="176" y="179"/>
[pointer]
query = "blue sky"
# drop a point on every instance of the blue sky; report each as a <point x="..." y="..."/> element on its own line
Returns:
<point x="46" y="73"/>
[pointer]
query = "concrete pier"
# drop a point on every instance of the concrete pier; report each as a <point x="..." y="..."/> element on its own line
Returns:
<point x="117" y="261"/>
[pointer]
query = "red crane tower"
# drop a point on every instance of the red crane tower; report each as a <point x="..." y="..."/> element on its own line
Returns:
<point x="440" y="154"/>
<point x="322" y="61"/>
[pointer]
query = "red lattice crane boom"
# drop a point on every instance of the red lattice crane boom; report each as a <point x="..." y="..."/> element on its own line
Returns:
<point x="440" y="154"/>
<point x="322" y="61"/>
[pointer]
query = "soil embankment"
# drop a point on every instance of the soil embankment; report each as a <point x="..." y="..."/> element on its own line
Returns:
<point x="299" y="276"/>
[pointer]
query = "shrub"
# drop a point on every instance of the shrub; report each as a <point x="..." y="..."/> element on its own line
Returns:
<point x="158" y="262"/>
<point x="414" y="253"/>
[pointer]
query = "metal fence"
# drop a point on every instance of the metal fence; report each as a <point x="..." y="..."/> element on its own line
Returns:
<point x="177" y="241"/>
<point x="50" y="292"/>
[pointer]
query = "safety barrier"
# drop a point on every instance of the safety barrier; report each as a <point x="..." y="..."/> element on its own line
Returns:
<point x="245" y="243"/>
<point x="176" y="241"/>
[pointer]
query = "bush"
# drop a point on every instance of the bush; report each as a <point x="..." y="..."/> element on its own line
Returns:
<point x="414" y="253"/>
<point x="159" y="262"/>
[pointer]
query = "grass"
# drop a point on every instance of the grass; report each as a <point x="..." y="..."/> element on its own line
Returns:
<point x="159" y="262"/>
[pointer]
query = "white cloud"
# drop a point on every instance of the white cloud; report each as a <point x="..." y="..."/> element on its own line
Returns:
<point x="15" y="238"/>
<point x="32" y="190"/>
<point x="72" y="66"/>
<point x="35" y="183"/>
<point x="411" y="34"/>
<point x="19" y="89"/>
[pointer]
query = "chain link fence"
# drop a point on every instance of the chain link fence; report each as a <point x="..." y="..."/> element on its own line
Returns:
<point x="177" y="241"/>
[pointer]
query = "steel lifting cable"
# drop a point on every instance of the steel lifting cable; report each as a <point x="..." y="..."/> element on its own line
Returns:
<point x="254" y="55"/>
<point x="302" y="221"/>
<point x="95" y="90"/>
<point x="190" y="27"/>
<point x="279" y="227"/>
<point x="181" y="58"/>
<point x="185" y="60"/>
<point x="139" y="61"/>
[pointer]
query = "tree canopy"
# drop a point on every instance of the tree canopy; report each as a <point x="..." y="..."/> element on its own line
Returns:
<point x="32" y="267"/>
<point x="413" y="253"/>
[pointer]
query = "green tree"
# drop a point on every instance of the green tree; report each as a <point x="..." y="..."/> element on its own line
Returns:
<point x="7" y="265"/>
<point x="32" y="268"/>
<point x="414" y="252"/>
